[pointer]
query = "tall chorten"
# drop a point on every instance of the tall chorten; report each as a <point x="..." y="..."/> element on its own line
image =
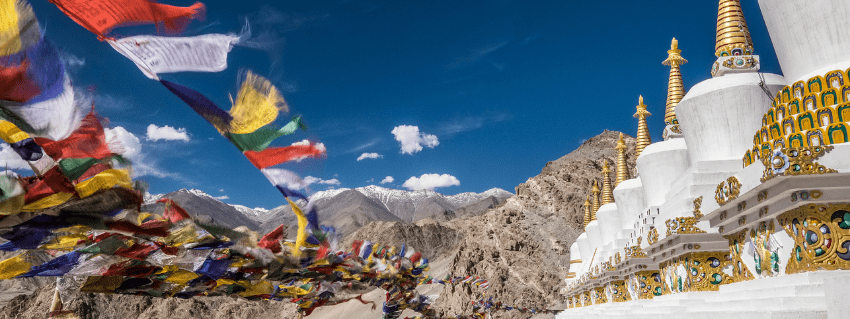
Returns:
<point x="643" y="138"/>
<point x="595" y="199"/>
<point x="622" y="170"/>
<point x="607" y="190"/>
<point x="587" y="214"/>
<point x="675" y="88"/>
<point x="733" y="36"/>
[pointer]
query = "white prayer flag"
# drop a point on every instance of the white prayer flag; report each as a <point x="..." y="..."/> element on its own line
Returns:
<point x="154" y="54"/>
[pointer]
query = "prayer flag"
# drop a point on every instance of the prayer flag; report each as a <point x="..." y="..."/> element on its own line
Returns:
<point x="154" y="54"/>
<point x="100" y="16"/>
<point x="277" y="155"/>
<point x="257" y="104"/>
<point x="262" y="137"/>
<point x="201" y="105"/>
<point x="18" y="26"/>
<point x="87" y="141"/>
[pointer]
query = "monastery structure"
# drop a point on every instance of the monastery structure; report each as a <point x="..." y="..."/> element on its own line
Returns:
<point x="743" y="210"/>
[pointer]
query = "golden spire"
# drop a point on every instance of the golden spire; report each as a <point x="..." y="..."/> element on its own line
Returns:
<point x="622" y="170"/>
<point x="732" y="32"/>
<point x="643" y="138"/>
<point x="607" y="190"/>
<point x="595" y="200"/>
<point x="675" y="89"/>
<point x="587" y="214"/>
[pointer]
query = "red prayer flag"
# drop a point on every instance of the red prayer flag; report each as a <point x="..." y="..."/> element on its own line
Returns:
<point x="87" y="141"/>
<point x="277" y="155"/>
<point x="100" y="16"/>
<point x="173" y="212"/>
<point x="53" y="182"/>
<point x="15" y="85"/>
<point x="271" y="241"/>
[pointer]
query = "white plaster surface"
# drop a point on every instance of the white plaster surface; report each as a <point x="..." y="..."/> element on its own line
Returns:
<point x="594" y="238"/>
<point x="584" y="250"/>
<point x="630" y="201"/>
<point x="837" y="291"/>
<point x="659" y="165"/>
<point x="719" y="116"/>
<point x="609" y="222"/>
<point x="807" y="34"/>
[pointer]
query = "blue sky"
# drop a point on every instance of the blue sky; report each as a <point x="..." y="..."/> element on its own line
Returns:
<point x="496" y="88"/>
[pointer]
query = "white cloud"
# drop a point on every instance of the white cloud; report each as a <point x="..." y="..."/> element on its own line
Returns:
<point x="369" y="155"/>
<point x="430" y="182"/>
<point x="315" y="180"/>
<point x="412" y="140"/>
<point x="222" y="197"/>
<point x="122" y="142"/>
<point x="221" y="190"/>
<point x="167" y="133"/>
<point x="388" y="179"/>
<point x="11" y="160"/>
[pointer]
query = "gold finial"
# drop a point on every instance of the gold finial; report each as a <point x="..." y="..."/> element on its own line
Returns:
<point x="675" y="89"/>
<point x="587" y="214"/>
<point x="595" y="200"/>
<point x="732" y="32"/>
<point x="607" y="190"/>
<point x="643" y="138"/>
<point x="622" y="170"/>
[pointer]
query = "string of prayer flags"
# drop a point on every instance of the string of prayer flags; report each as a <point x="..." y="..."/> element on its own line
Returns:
<point x="201" y="105"/>
<point x="101" y="16"/>
<point x="18" y="26"/>
<point x="155" y="54"/>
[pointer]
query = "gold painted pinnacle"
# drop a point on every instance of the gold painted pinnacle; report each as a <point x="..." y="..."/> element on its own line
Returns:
<point x="622" y="170"/>
<point x="675" y="88"/>
<point x="732" y="31"/>
<point x="587" y="214"/>
<point x="643" y="138"/>
<point x="595" y="200"/>
<point x="607" y="190"/>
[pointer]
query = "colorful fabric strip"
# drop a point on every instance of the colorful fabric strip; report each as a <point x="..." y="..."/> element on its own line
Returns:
<point x="257" y="104"/>
<point x="262" y="137"/>
<point x="154" y="55"/>
<point x="201" y="105"/>
<point x="100" y="16"/>
<point x="277" y="155"/>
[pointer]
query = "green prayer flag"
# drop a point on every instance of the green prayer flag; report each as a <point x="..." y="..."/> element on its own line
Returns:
<point x="73" y="168"/>
<point x="262" y="137"/>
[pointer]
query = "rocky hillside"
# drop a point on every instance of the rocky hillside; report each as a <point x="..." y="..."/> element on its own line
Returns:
<point x="522" y="246"/>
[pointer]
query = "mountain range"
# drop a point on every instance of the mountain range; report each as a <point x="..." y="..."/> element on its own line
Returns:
<point x="345" y="209"/>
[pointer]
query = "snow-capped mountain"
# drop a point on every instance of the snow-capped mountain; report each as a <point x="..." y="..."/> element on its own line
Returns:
<point x="256" y="213"/>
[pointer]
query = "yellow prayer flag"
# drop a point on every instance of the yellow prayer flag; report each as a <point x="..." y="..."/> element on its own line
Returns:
<point x="104" y="180"/>
<point x="9" y="132"/>
<point x="12" y="267"/>
<point x="47" y="202"/>
<point x="181" y="277"/>
<point x="260" y="288"/>
<point x="301" y="237"/>
<point x="67" y="242"/>
<point x="257" y="104"/>
<point x="12" y="205"/>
